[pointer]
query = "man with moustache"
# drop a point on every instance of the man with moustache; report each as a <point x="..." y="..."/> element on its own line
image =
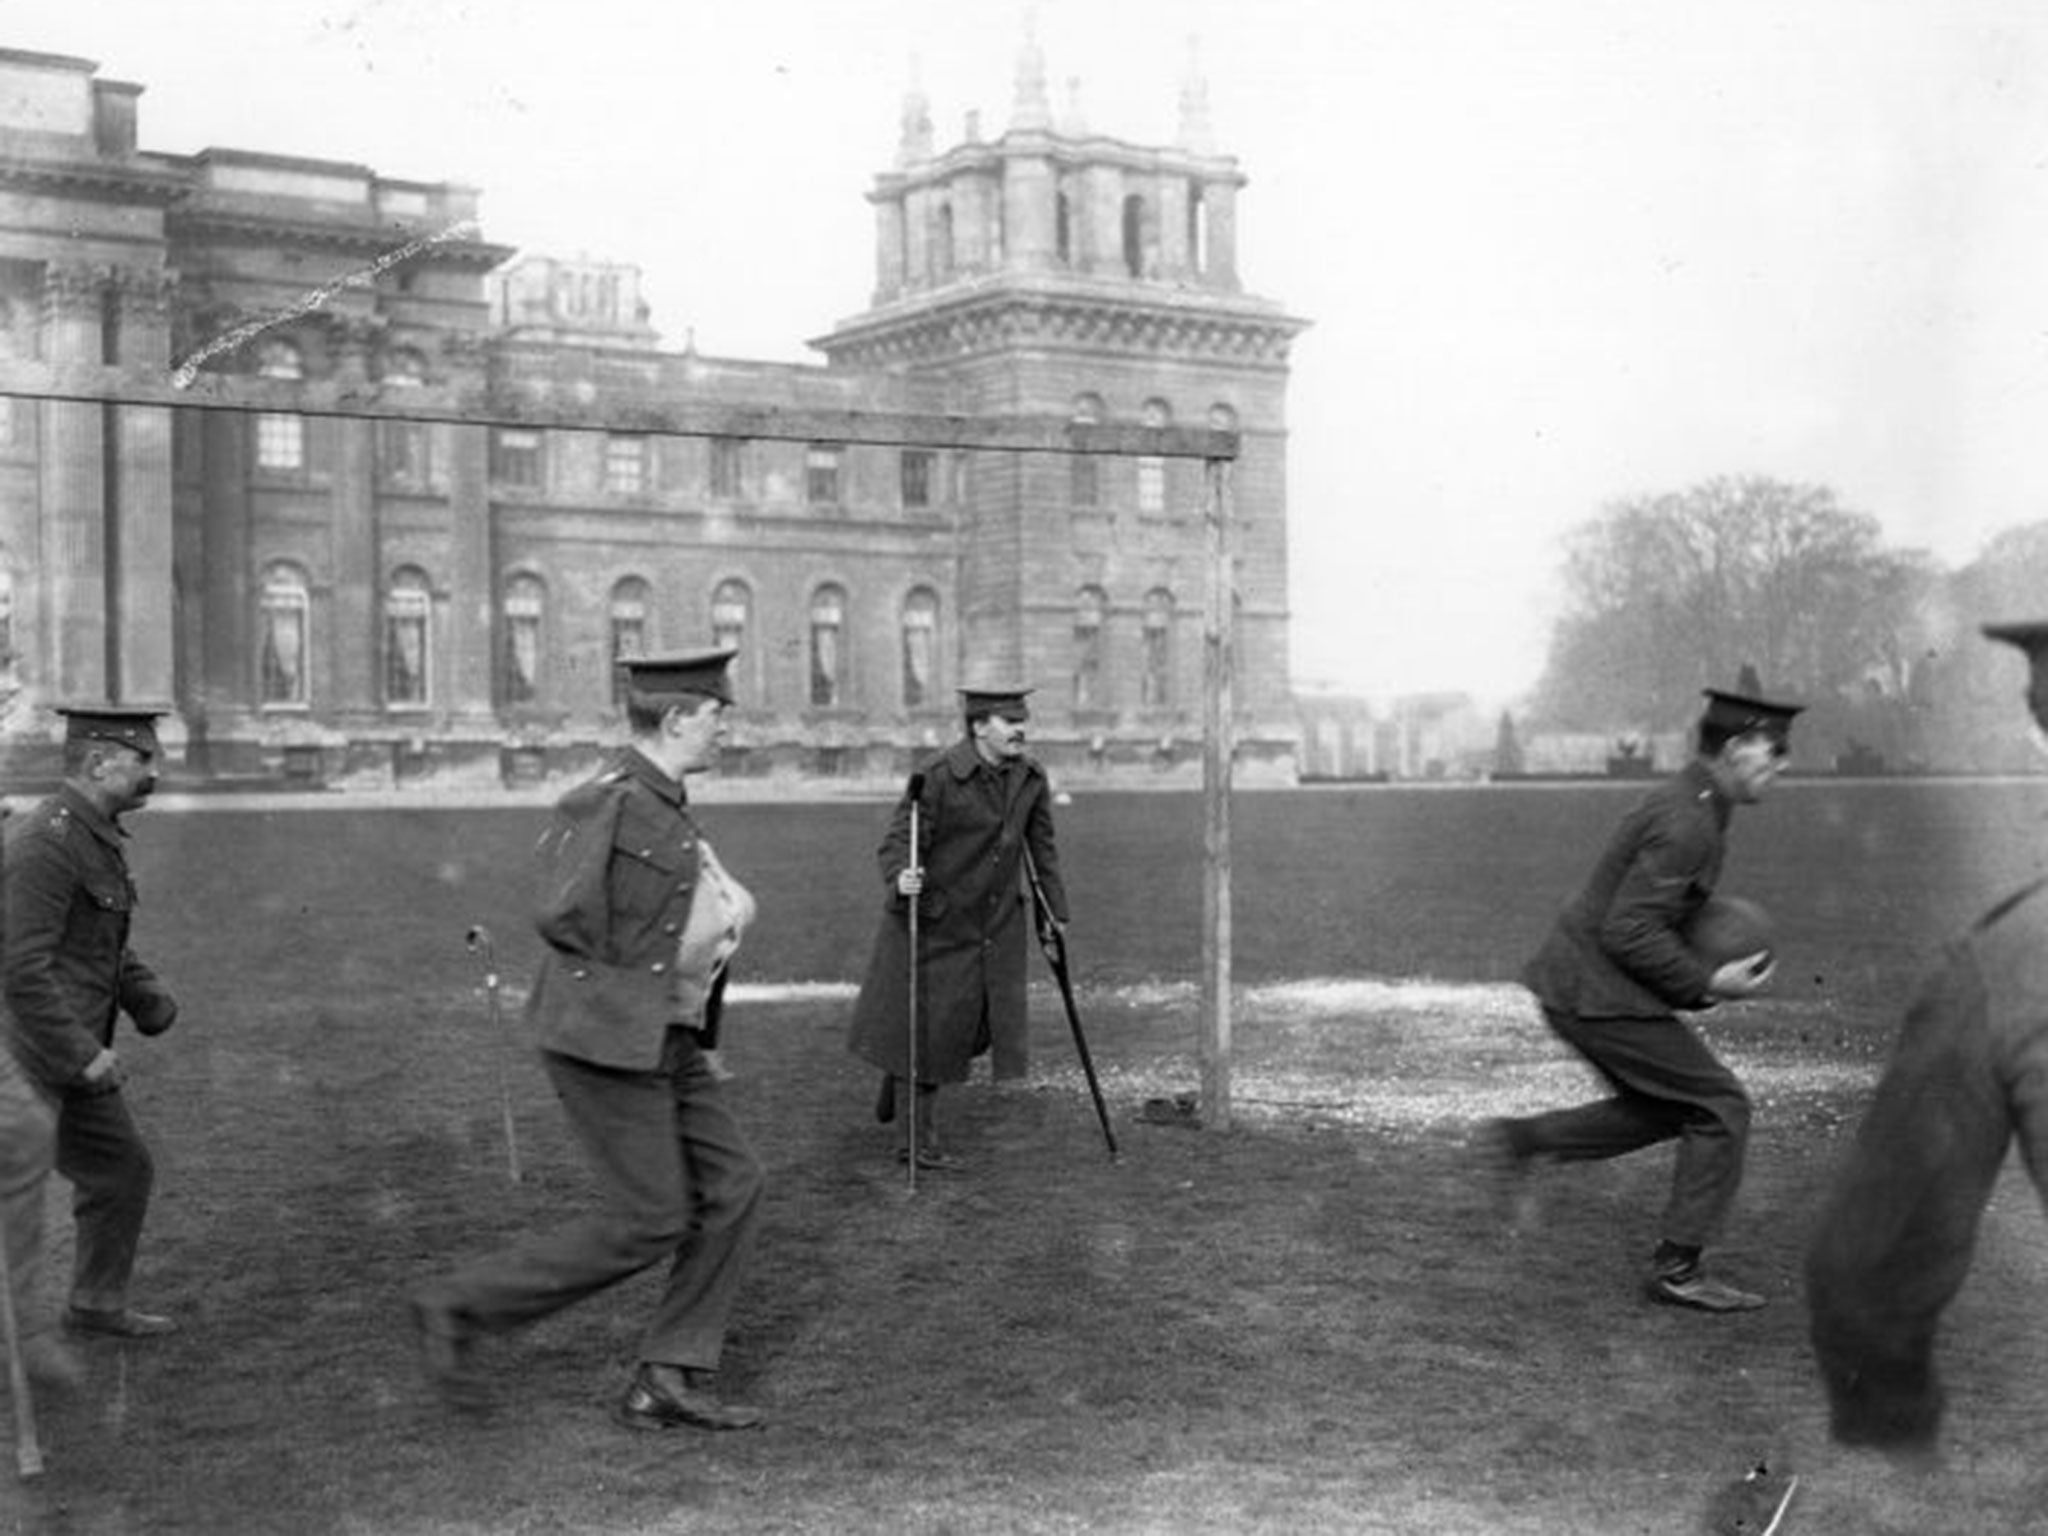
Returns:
<point x="983" y="806"/>
<point x="68" y="976"/>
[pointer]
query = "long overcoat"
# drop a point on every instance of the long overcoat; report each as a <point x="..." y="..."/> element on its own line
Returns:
<point x="974" y="920"/>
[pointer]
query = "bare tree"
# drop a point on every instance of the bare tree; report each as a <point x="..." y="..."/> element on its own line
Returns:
<point x="1670" y="593"/>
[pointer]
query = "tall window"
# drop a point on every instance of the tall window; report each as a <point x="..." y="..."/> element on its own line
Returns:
<point x="625" y="463"/>
<point x="920" y="646"/>
<point x="1091" y="609"/>
<point x="728" y="468"/>
<point x="1198" y="229"/>
<point x="280" y="435"/>
<point x="283" y="630"/>
<point x="1156" y="682"/>
<point x="408" y="638"/>
<point x="1084" y="470"/>
<point x="1063" y="229"/>
<point x="1134" y="236"/>
<point x="628" y="617"/>
<point x="1151" y="468"/>
<point x="919" y="466"/>
<point x="526" y="604"/>
<point x="515" y="456"/>
<point x="821" y="474"/>
<point x="731" y="609"/>
<point x="828" y="633"/>
<point x="6" y="624"/>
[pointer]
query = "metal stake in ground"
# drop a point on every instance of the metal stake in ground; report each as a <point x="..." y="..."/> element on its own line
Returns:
<point x="28" y="1451"/>
<point x="916" y="794"/>
<point x="1054" y="943"/>
<point x="479" y="940"/>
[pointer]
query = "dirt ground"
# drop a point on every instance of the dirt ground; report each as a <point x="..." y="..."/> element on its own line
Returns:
<point x="1310" y="1322"/>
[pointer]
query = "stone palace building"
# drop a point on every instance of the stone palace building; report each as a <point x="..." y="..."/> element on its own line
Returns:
<point x="342" y="600"/>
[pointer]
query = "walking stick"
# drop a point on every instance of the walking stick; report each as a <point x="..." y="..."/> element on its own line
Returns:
<point x="479" y="941"/>
<point x="28" y="1451"/>
<point x="1054" y="943"/>
<point x="916" y="794"/>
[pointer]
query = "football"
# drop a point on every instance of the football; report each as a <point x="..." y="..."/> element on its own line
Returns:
<point x="1729" y="928"/>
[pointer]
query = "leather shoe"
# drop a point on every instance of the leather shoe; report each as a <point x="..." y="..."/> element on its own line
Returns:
<point x="446" y="1352"/>
<point x="118" y="1323"/>
<point x="666" y="1400"/>
<point x="934" y="1159"/>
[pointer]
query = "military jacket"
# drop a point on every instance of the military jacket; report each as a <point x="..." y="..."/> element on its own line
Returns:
<point x="1615" y="950"/>
<point x="618" y="870"/>
<point x="1967" y="1076"/>
<point x="68" y="971"/>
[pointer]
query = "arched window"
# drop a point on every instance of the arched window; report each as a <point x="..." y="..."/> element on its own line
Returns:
<point x="284" y="636"/>
<point x="280" y="435"/>
<point x="408" y="639"/>
<point x="526" y="606"/>
<point x="828" y="634"/>
<point x="1155" y="683"/>
<point x="732" y="608"/>
<point x="1063" y="228"/>
<point x="1134" y="235"/>
<point x="1091" y="610"/>
<point x="920" y="646"/>
<point x="628" y="617"/>
<point x="1198" y="230"/>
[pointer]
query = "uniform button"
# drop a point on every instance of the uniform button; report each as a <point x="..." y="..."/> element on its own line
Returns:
<point x="658" y="967"/>
<point x="668" y="927"/>
<point x="579" y="973"/>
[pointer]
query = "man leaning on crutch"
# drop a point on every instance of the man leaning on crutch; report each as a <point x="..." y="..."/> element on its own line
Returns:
<point x="977" y="806"/>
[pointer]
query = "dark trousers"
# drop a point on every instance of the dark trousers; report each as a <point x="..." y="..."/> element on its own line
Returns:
<point x="1666" y="1084"/>
<point x="677" y="1181"/>
<point x="101" y="1153"/>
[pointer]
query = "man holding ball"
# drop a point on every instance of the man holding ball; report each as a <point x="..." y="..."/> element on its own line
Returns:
<point x="1613" y="975"/>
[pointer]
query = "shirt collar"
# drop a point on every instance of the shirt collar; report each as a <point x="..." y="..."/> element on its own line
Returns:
<point x="648" y="772"/>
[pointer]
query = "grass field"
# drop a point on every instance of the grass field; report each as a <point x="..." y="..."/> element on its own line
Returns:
<point x="1310" y="1322"/>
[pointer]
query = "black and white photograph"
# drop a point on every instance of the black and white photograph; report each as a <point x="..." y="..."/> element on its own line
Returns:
<point x="1009" y="766"/>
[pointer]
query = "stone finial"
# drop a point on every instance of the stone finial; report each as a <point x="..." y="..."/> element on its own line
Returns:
<point x="1197" y="135"/>
<point x="1074" y="120"/>
<point x="1031" y="109"/>
<point x="915" y="144"/>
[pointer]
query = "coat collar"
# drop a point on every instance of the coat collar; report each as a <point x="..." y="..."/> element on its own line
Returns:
<point x="1701" y="786"/>
<point x="80" y="807"/>
<point x="632" y="763"/>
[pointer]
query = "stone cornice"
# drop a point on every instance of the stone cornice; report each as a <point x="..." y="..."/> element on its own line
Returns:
<point x="106" y="179"/>
<point x="991" y="321"/>
<point x="203" y="224"/>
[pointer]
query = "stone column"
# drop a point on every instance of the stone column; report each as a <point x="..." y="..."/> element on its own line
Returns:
<point x="351" y="633"/>
<point x="73" y="485"/>
<point x="140" y="584"/>
<point x="471" y="584"/>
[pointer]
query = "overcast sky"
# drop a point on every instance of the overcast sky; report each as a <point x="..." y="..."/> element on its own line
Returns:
<point x="1553" y="253"/>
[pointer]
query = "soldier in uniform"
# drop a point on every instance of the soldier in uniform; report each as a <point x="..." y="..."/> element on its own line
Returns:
<point x="1968" y="1073"/>
<point x="640" y="921"/>
<point x="68" y="975"/>
<point x="1615" y="970"/>
<point x="28" y="1139"/>
<point x="983" y="804"/>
